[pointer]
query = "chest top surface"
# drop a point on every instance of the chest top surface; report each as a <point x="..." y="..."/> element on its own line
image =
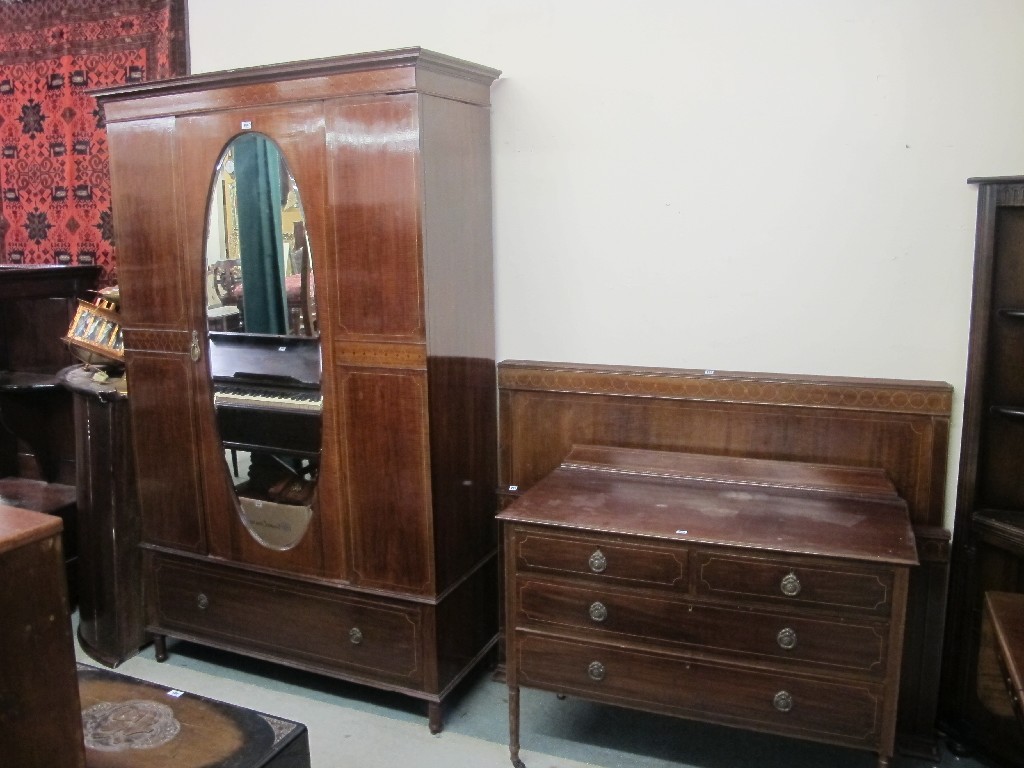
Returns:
<point x="20" y="527"/>
<point x="792" y="507"/>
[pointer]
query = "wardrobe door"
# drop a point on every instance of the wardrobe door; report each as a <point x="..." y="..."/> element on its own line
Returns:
<point x="296" y="132"/>
<point x="390" y="523"/>
<point x="375" y="198"/>
<point x="158" y="327"/>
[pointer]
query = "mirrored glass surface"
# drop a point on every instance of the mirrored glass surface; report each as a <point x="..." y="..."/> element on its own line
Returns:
<point x="263" y="343"/>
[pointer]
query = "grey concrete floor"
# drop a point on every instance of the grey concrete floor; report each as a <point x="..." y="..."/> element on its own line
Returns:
<point x="352" y="726"/>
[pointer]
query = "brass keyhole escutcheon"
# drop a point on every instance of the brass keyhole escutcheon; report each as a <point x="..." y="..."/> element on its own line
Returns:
<point x="786" y="638"/>
<point x="596" y="671"/>
<point x="598" y="611"/>
<point x="598" y="562"/>
<point x="790" y="585"/>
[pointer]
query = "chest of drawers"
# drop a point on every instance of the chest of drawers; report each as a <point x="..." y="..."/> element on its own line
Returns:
<point x="752" y="593"/>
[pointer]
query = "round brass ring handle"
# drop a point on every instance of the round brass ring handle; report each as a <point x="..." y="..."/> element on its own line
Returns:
<point x="786" y="638"/>
<point x="355" y="636"/>
<point x="783" y="701"/>
<point x="596" y="670"/>
<point x="202" y="602"/>
<point x="790" y="585"/>
<point x="598" y="611"/>
<point x="598" y="562"/>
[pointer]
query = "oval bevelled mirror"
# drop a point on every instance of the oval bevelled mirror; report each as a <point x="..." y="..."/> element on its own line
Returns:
<point x="263" y="344"/>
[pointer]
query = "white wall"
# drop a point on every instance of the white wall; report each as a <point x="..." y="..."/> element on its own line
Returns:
<point x="760" y="185"/>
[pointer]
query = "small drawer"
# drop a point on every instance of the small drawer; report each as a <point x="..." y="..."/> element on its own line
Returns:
<point x="602" y="557"/>
<point x="843" y="713"/>
<point x="794" y="582"/>
<point x="375" y="639"/>
<point x="856" y="646"/>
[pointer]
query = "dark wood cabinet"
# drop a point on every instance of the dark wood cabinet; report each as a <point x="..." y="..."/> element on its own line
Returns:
<point x="40" y="716"/>
<point x="393" y="583"/>
<point x="753" y="593"/>
<point x="37" y="303"/>
<point x="988" y="554"/>
<point x="37" y="442"/>
<point x="110" y="619"/>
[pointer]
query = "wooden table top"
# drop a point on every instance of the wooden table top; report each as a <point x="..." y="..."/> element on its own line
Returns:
<point x="770" y="505"/>
<point x="19" y="527"/>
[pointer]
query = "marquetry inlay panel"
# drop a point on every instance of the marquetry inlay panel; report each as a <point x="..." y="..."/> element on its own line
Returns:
<point x="727" y="387"/>
<point x="177" y="342"/>
<point x="377" y="355"/>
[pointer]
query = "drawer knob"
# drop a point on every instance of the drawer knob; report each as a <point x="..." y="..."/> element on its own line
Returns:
<point x="598" y="562"/>
<point x="790" y="585"/>
<point x="783" y="701"/>
<point x="598" y="611"/>
<point x="202" y="602"/>
<point x="786" y="638"/>
<point x="596" y="670"/>
<point x="355" y="636"/>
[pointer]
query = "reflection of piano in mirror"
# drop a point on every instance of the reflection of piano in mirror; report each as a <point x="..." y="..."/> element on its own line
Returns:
<point x="268" y="403"/>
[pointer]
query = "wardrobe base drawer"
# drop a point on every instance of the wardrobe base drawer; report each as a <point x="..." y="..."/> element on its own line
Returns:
<point x="294" y="621"/>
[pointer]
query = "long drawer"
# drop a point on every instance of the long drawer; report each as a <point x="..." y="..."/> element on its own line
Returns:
<point x="792" y="704"/>
<point x="372" y="639"/>
<point x="855" y="645"/>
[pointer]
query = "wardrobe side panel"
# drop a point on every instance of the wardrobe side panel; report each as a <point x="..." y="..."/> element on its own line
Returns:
<point x="459" y="277"/>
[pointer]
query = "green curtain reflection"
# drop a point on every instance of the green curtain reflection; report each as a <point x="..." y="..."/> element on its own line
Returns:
<point x="258" y="180"/>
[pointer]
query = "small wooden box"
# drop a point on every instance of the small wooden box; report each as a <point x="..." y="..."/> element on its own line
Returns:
<point x="95" y="333"/>
<point x="136" y="724"/>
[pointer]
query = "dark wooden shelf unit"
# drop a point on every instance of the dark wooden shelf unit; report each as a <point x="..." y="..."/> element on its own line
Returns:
<point x="37" y="303"/>
<point x="37" y="443"/>
<point x="988" y="552"/>
<point x="1005" y="612"/>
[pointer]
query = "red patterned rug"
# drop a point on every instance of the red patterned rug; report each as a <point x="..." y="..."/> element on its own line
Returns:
<point x="54" y="182"/>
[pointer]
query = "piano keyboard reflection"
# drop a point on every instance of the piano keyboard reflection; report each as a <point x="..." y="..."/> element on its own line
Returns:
<point x="270" y="398"/>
